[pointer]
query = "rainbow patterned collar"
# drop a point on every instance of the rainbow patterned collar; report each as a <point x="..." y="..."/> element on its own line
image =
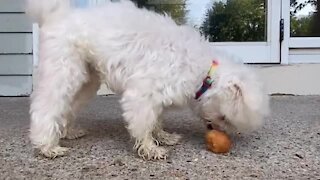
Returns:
<point x="207" y="82"/>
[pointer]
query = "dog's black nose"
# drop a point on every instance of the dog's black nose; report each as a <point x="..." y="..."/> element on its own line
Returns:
<point x="209" y="127"/>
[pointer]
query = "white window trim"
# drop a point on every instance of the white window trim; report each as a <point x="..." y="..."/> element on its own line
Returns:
<point x="304" y="56"/>
<point x="304" y="42"/>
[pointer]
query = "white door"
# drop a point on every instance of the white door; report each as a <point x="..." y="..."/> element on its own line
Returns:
<point x="302" y="20"/>
<point x="247" y="28"/>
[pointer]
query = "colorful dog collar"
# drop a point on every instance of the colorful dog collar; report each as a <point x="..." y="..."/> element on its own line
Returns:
<point x="207" y="82"/>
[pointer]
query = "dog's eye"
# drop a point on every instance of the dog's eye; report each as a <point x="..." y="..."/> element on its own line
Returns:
<point x="209" y="127"/>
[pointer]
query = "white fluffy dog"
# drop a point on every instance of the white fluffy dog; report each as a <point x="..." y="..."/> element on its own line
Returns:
<point x="147" y="59"/>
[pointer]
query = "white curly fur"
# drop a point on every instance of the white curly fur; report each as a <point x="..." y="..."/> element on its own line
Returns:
<point x="142" y="56"/>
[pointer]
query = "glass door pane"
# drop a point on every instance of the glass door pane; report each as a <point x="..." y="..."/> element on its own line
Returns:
<point x="218" y="20"/>
<point x="304" y="18"/>
<point x="247" y="28"/>
<point x="304" y="24"/>
<point x="230" y="21"/>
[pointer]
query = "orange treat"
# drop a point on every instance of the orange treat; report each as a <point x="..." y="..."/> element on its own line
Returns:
<point x="218" y="142"/>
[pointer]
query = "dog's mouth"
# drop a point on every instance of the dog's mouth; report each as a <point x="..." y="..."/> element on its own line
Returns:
<point x="209" y="127"/>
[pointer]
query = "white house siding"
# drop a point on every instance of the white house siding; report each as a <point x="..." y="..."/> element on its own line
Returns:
<point x="15" y="49"/>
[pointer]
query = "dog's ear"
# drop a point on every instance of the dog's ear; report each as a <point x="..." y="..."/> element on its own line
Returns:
<point x="243" y="102"/>
<point x="249" y="92"/>
<point x="235" y="89"/>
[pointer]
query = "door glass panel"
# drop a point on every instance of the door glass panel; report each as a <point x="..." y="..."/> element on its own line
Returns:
<point x="177" y="9"/>
<point x="218" y="20"/>
<point x="80" y="3"/>
<point x="304" y="18"/>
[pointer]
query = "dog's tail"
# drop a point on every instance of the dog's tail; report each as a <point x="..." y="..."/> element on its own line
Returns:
<point x="43" y="10"/>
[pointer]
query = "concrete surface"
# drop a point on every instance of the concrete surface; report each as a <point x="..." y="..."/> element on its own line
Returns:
<point x="295" y="79"/>
<point x="287" y="147"/>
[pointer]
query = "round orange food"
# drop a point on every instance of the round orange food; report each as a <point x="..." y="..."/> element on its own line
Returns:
<point x="218" y="142"/>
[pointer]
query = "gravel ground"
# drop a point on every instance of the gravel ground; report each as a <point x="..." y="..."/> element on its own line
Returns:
<point x="287" y="147"/>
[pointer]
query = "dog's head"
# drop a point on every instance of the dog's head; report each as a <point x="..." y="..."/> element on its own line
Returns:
<point x="236" y="101"/>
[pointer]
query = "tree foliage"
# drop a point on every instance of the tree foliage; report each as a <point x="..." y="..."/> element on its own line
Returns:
<point x="245" y="20"/>
<point x="300" y="26"/>
<point x="307" y="25"/>
<point x="177" y="9"/>
<point x="238" y="20"/>
<point x="235" y="20"/>
<point x="296" y="7"/>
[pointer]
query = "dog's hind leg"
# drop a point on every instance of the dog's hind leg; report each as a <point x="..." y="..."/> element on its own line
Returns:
<point x="82" y="97"/>
<point x="61" y="75"/>
<point x="141" y="113"/>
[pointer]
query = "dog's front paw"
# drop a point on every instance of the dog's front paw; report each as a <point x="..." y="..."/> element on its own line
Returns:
<point x="74" y="133"/>
<point x="152" y="152"/>
<point x="54" y="151"/>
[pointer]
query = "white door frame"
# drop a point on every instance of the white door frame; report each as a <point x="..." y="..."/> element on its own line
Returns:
<point x="297" y="49"/>
<point x="285" y="15"/>
<point x="304" y="42"/>
<point x="260" y="52"/>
